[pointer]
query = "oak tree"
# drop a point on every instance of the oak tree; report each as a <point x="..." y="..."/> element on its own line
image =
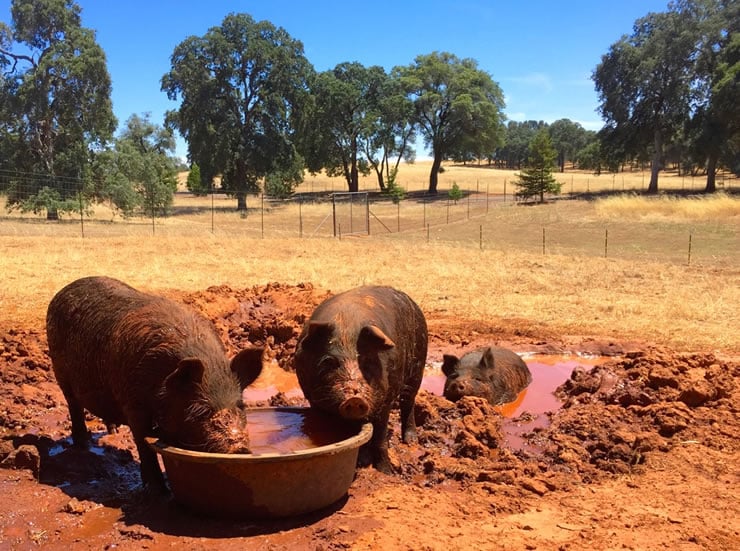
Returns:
<point x="644" y="86"/>
<point x="56" y="109"/>
<point x="241" y="87"/>
<point x="455" y="102"/>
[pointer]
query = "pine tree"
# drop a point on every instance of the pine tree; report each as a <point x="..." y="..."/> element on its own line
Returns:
<point x="537" y="178"/>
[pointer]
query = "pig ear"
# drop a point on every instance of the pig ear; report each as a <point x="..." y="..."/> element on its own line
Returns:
<point x="486" y="360"/>
<point x="449" y="364"/>
<point x="189" y="373"/>
<point x="247" y="365"/>
<point x="316" y="334"/>
<point x="371" y="338"/>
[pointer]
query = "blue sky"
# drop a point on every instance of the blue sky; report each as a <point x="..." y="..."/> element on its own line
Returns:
<point x="540" y="52"/>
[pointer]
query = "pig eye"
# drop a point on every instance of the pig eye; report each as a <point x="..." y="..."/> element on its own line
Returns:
<point x="328" y="363"/>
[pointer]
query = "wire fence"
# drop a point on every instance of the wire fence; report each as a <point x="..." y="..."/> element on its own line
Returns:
<point x="475" y="220"/>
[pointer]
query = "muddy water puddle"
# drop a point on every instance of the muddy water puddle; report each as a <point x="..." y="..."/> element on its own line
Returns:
<point x="525" y="414"/>
<point x="283" y="431"/>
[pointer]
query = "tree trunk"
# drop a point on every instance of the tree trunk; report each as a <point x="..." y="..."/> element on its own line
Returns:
<point x="655" y="165"/>
<point x="381" y="180"/>
<point x="434" y="174"/>
<point x="52" y="214"/>
<point x="354" y="183"/>
<point x="241" y="201"/>
<point x="711" y="173"/>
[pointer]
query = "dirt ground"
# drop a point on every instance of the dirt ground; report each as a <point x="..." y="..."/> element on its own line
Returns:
<point x="643" y="453"/>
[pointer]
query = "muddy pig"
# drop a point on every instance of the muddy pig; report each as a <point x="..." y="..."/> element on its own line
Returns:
<point x="359" y="352"/>
<point x="147" y="362"/>
<point x="493" y="373"/>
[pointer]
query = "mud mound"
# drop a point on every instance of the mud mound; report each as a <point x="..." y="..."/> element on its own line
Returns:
<point x="269" y="315"/>
<point x="616" y="414"/>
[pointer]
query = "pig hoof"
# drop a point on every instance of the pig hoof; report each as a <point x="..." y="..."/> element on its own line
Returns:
<point x="384" y="465"/>
<point x="410" y="437"/>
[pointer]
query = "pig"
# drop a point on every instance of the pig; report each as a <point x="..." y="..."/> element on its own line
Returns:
<point x="493" y="373"/>
<point x="144" y="361"/>
<point x="359" y="353"/>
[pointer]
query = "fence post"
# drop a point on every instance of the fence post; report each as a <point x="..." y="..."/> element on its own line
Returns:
<point x="606" y="240"/>
<point x="689" y="261"/>
<point x="543" y="240"/>
<point x="481" y="237"/>
<point x="82" y="218"/>
<point x="334" y="214"/>
<point x="300" y="216"/>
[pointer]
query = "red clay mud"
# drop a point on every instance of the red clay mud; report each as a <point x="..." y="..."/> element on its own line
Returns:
<point x="642" y="453"/>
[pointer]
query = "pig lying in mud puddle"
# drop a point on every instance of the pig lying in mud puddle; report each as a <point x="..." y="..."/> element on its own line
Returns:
<point x="494" y="373"/>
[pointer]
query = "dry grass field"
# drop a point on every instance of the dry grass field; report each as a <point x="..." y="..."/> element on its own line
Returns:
<point x="625" y="267"/>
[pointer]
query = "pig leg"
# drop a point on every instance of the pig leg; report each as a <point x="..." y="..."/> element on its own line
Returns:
<point x="408" y="420"/>
<point x="378" y="445"/>
<point x="80" y="434"/>
<point x="151" y="474"/>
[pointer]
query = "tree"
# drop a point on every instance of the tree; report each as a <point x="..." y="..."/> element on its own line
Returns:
<point x="345" y="100"/>
<point x="56" y="110"/>
<point x="242" y="86"/>
<point x="537" y="178"/>
<point x="714" y="128"/>
<point x="281" y="183"/>
<point x="390" y="134"/>
<point x="140" y="173"/>
<point x="517" y="136"/>
<point x="454" y="102"/>
<point x="589" y="156"/>
<point x="567" y="138"/>
<point x="644" y="85"/>
<point x="194" y="182"/>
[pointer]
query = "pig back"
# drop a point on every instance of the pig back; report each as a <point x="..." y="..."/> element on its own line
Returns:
<point x="112" y="346"/>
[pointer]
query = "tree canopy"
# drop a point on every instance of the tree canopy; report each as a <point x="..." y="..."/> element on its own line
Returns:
<point x="241" y="86"/>
<point x="138" y="175"/>
<point x="455" y="104"/>
<point x="56" y="109"/>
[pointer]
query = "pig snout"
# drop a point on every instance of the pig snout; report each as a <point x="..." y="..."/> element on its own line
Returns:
<point x="355" y="407"/>
<point x="454" y="390"/>
<point x="228" y="433"/>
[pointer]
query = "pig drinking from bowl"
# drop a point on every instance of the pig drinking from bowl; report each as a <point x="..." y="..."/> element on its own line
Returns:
<point x="493" y="373"/>
<point x="147" y="362"/>
<point x="360" y="352"/>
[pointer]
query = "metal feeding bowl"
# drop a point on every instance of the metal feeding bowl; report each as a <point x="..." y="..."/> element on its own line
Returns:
<point x="302" y="461"/>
